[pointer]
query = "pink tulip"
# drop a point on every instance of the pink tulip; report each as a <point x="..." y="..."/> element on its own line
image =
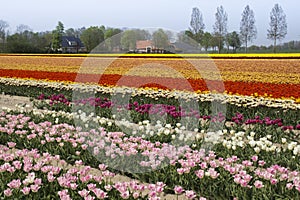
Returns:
<point x="154" y="198"/>
<point x="203" y="165"/>
<point x="89" y="197"/>
<point x="25" y="190"/>
<point x="91" y="186"/>
<point x="38" y="181"/>
<point x="289" y="186"/>
<point x="73" y="186"/>
<point x="254" y="158"/>
<point x="273" y="181"/>
<point x="108" y="187"/>
<point x="8" y="192"/>
<point x="83" y="193"/>
<point x="258" y="184"/>
<point x="125" y="195"/>
<point x="34" y="188"/>
<point x="102" y="167"/>
<point x="261" y="162"/>
<point x="14" y="184"/>
<point x="200" y="173"/>
<point x="11" y="144"/>
<point x="100" y="193"/>
<point x="178" y="189"/>
<point x="50" y="177"/>
<point x="190" y="194"/>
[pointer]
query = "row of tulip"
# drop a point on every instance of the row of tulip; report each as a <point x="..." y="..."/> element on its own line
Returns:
<point x="253" y="135"/>
<point x="60" y="102"/>
<point x="187" y="172"/>
<point x="279" y="78"/>
<point x="142" y="99"/>
<point x="189" y="167"/>
<point x="237" y="133"/>
<point x="28" y="174"/>
<point x="251" y="70"/>
<point x="235" y="87"/>
<point x="15" y="86"/>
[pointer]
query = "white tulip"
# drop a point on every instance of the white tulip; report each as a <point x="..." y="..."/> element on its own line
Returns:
<point x="257" y="149"/>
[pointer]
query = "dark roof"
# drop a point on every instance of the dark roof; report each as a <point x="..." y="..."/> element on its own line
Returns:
<point x="71" y="41"/>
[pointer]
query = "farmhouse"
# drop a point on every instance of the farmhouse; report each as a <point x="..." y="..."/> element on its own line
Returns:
<point x="148" y="46"/>
<point x="144" y="46"/>
<point x="71" y="44"/>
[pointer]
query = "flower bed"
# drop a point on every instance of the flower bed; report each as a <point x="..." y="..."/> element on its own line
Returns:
<point x="77" y="139"/>
<point x="248" y="163"/>
<point x="277" y="77"/>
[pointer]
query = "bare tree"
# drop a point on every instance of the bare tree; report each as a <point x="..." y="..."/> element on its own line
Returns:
<point x="22" y="27"/>
<point x="248" y="30"/>
<point x="220" y="26"/>
<point x="3" y="26"/>
<point x="278" y="25"/>
<point x="197" y="25"/>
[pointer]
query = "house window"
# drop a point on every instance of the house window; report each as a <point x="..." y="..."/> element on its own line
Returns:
<point x="72" y="43"/>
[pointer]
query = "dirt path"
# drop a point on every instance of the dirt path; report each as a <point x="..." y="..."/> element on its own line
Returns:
<point x="9" y="101"/>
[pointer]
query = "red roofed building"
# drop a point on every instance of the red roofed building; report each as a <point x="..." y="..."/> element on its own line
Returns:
<point x="144" y="46"/>
<point x="148" y="46"/>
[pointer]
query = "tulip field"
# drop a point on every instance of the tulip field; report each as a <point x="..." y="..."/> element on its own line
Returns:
<point x="150" y="127"/>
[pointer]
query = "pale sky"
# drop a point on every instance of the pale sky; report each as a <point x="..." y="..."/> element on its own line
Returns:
<point x="167" y="14"/>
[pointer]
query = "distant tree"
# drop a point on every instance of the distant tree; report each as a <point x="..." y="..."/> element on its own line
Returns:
<point x="22" y="28"/>
<point x="262" y="47"/>
<point x="189" y="34"/>
<point x="130" y="37"/>
<point x="20" y="43"/>
<point x="3" y="26"/>
<point x="170" y="34"/>
<point x="92" y="37"/>
<point x="128" y="40"/>
<point x="74" y="32"/>
<point x="110" y="32"/>
<point x="45" y="40"/>
<point x="206" y="40"/>
<point x="197" y="25"/>
<point x="79" y="31"/>
<point x="248" y="30"/>
<point x="145" y="35"/>
<point x="291" y="45"/>
<point x="112" y="38"/>
<point x="255" y="48"/>
<point x="160" y="39"/>
<point x="233" y="40"/>
<point x="28" y="42"/>
<point x="215" y="41"/>
<point x="278" y="25"/>
<point x="57" y="36"/>
<point x="220" y="26"/>
<point x="70" y="32"/>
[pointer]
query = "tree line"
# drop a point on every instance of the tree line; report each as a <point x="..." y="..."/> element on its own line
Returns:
<point x="221" y="37"/>
<point x="24" y="40"/>
<point x="27" y="41"/>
